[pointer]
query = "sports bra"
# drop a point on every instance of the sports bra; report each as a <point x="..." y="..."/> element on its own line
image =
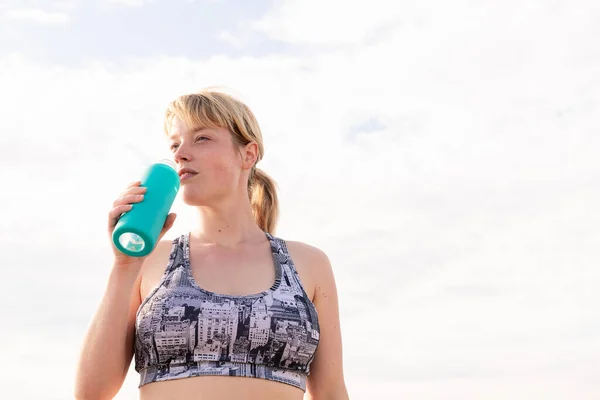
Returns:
<point x="182" y="330"/>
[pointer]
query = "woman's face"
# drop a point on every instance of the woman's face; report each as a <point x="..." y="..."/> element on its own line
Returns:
<point x="216" y="167"/>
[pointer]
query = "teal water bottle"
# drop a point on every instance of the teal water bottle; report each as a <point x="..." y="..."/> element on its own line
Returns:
<point x="137" y="230"/>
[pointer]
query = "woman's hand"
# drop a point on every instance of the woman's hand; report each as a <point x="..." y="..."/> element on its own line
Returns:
<point x="133" y="194"/>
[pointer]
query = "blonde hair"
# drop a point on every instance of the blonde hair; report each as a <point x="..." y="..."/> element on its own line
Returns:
<point x="211" y="108"/>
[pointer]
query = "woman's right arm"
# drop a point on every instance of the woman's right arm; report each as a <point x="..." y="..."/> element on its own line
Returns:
<point x="108" y="345"/>
<point x="107" y="349"/>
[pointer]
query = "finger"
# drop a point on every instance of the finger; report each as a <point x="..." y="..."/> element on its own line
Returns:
<point x="130" y="192"/>
<point x="132" y="184"/>
<point x="115" y="214"/>
<point x="169" y="221"/>
<point x="134" y="190"/>
<point x="132" y="198"/>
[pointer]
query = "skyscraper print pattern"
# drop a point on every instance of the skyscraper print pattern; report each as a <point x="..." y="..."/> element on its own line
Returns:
<point x="183" y="330"/>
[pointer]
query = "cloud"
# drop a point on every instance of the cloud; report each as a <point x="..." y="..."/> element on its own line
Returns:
<point x="236" y="41"/>
<point x="130" y="3"/>
<point x="331" y="22"/>
<point x="37" y="15"/>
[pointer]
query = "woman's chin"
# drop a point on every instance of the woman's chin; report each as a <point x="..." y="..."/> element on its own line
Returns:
<point x="192" y="196"/>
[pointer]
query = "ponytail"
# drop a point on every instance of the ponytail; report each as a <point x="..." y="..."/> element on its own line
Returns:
<point x="262" y="190"/>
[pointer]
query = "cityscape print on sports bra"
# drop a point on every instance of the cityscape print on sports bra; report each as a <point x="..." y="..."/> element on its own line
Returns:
<point x="183" y="330"/>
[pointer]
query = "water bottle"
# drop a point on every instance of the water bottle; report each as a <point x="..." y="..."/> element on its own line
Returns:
<point x="137" y="230"/>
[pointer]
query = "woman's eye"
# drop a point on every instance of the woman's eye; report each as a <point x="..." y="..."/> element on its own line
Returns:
<point x="198" y="139"/>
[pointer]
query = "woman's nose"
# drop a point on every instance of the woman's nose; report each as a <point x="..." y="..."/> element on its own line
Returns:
<point x="181" y="154"/>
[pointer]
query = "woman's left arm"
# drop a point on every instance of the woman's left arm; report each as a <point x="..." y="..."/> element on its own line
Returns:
<point x="326" y="379"/>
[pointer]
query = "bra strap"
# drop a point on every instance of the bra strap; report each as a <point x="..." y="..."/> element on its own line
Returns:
<point x="176" y="254"/>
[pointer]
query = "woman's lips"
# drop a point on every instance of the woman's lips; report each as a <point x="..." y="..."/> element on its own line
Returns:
<point x="187" y="175"/>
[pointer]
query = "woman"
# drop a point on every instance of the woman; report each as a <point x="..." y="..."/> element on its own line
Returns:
<point x="226" y="311"/>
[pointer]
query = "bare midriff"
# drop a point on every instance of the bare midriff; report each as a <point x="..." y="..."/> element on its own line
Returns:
<point x="220" y="387"/>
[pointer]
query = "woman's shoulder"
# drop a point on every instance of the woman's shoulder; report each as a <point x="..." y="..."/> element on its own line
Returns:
<point x="307" y="251"/>
<point x="312" y="263"/>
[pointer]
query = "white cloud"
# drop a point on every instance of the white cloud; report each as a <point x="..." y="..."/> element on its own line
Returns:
<point x="234" y="40"/>
<point x="462" y="229"/>
<point x="37" y="15"/>
<point x="130" y="3"/>
<point x="330" y="22"/>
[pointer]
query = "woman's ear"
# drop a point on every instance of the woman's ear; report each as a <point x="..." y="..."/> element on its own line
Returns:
<point x="249" y="155"/>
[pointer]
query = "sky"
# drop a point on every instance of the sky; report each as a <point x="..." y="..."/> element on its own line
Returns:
<point x="444" y="155"/>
